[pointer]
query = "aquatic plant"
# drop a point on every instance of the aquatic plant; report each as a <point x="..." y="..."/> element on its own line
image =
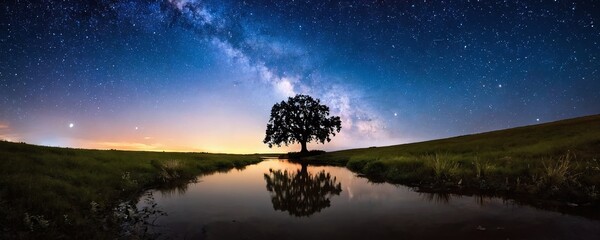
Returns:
<point x="136" y="222"/>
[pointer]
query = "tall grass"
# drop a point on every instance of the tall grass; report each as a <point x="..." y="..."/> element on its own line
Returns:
<point x="557" y="172"/>
<point x="170" y="170"/>
<point x="443" y="168"/>
<point x="481" y="168"/>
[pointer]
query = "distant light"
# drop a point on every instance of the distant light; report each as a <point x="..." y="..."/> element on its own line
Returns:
<point x="499" y="85"/>
<point x="537" y="119"/>
<point x="71" y="125"/>
<point x="136" y="128"/>
<point x="395" y="114"/>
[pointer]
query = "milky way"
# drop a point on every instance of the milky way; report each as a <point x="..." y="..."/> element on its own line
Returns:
<point x="202" y="75"/>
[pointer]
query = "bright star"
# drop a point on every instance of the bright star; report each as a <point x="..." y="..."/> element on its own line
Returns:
<point x="71" y="125"/>
<point x="395" y="114"/>
<point x="537" y="119"/>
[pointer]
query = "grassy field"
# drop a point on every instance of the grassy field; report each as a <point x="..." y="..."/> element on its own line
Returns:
<point x="551" y="161"/>
<point x="74" y="193"/>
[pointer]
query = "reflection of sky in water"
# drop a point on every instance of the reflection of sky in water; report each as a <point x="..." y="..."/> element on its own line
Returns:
<point x="236" y="203"/>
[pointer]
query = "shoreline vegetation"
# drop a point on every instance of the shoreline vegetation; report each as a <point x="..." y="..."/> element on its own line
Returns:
<point x="554" y="165"/>
<point x="52" y="193"/>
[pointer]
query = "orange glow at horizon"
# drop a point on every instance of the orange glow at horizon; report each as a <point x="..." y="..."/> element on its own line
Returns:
<point x="173" y="146"/>
<point x="238" y="128"/>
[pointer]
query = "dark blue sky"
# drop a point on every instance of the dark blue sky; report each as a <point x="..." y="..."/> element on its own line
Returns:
<point x="202" y="75"/>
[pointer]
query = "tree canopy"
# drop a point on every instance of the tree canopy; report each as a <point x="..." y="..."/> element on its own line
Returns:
<point x="301" y="119"/>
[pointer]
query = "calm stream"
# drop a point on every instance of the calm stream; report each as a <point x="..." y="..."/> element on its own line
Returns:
<point x="276" y="199"/>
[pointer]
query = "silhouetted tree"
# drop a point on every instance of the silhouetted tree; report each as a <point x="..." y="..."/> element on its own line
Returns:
<point x="301" y="119"/>
<point x="301" y="193"/>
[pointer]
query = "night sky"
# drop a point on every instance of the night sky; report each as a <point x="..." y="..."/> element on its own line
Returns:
<point x="186" y="75"/>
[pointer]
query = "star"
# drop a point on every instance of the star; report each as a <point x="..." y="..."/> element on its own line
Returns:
<point x="434" y="79"/>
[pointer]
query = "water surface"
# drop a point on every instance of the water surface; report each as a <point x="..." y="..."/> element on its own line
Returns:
<point x="276" y="199"/>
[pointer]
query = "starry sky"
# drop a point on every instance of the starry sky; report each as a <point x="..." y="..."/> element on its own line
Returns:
<point x="202" y="75"/>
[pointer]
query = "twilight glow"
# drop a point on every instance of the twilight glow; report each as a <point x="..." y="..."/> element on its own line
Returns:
<point x="185" y="75"/>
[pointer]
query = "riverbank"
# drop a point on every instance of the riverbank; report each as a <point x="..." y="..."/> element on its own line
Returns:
<point x="557" y="162"/>
<point x="279" y="199"/>
<point x="75" y="193"/>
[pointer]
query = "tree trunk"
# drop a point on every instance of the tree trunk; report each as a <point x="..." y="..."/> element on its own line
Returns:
<point x="304" y="150"/>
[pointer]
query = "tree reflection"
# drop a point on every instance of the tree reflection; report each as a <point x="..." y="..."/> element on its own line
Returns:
<point x="301" y="193"/>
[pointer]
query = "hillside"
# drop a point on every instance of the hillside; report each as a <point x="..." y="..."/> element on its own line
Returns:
<point x="581" y="136"/>
<point x="551" y="161"/>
